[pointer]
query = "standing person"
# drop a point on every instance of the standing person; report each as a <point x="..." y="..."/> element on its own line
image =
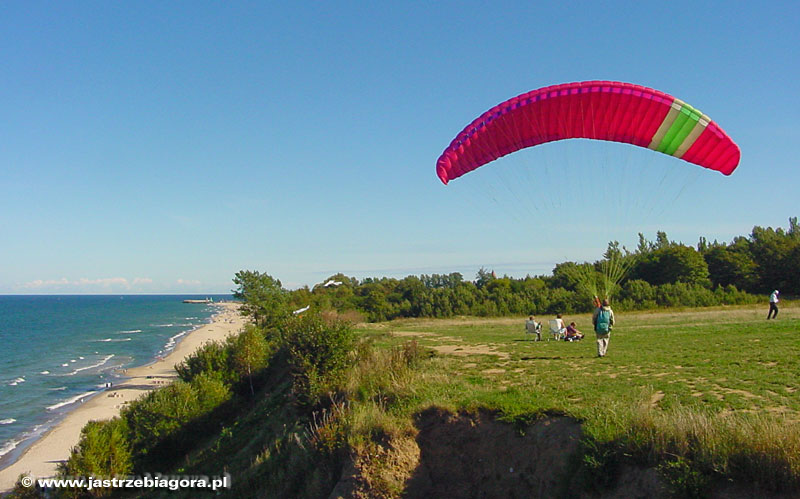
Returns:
<point x="603" y="320"/>
<point x="773" y="305"/>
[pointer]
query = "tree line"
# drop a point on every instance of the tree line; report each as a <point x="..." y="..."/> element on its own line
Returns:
<point x="659" y="273"/>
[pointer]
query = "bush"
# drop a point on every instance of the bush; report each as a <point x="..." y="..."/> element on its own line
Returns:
<point x="211" y="359"/>
<point x="249" y="354"/>
<point x="162" y="414"/>
<point x="104" y="451"/>
<point x="318" y="353"/>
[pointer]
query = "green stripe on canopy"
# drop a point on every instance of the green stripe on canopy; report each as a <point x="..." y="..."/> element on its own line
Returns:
<point x="688" y="142"/>
<point x="680" y="129"/>
<point x="665" y="125"/>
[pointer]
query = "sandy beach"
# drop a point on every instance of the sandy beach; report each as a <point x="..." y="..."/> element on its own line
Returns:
<point x="41" y="458"/>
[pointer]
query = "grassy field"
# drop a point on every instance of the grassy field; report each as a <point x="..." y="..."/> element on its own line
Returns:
<point x="709" y="393"/>
<point x="721" y="360"/>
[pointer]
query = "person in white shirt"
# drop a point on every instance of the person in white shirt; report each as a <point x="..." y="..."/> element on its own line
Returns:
<point x="773" y="305"/>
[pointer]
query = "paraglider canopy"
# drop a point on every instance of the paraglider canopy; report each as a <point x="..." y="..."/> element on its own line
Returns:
<point x="601" y="110"/>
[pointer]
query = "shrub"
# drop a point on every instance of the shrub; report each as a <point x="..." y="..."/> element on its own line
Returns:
<point x="249" y="354"/>
<point x="20" y="491"/>
<point x="318" y="353"/>
<point x="103" y="451"/>
<point x="161" y="414"/>
<point x="211" y="359"/>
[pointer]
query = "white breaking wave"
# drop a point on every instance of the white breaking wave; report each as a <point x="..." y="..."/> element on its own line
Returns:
<point x="130" y="332"/>
<point x="69" y="401"/>
<point x="107" y="340"/>
<point x="17" y="381"/>
<point x="174" y="339"/>
<point x="8" y="421"/>
<point x="45" y="372"/>
<point x="8" y="447"/>
<point x="76" y="371"/>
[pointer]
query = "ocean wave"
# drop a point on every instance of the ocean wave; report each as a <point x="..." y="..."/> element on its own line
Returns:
<point x="69" y="401"/>
<point x="17" y="381"/>
<point x="105" y="359"/>
<point x="130" y="332"/>
<point x="162" y="325"/>
<point x="174" y="339"/>
<point x="58" y="389"/>
<point x="12" y="444"/>
<point x="45" y="372"/>
<point x="114" y="340"/>
<point x="8" y="447"/>
<point x="8" y="421"/>
<point x="64" y="365"/>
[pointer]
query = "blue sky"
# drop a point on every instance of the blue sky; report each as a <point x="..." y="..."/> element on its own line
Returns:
<point x="163" y="146"/>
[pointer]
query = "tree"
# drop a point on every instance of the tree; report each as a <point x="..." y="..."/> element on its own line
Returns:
<point x="249" y="354"/>
<point x="262" y="297"/>
<point x="774" y="253"/>
<point x="727" y="266"/>
<point x="671" y="264"/>
<point x="484" y="277"/>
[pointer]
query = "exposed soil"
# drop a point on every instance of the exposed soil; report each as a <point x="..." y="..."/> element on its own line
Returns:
<point x="473" y="455"/>
<point x="465" y="350"/>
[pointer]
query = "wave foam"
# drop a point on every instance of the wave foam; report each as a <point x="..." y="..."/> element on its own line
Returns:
<point x="102" y="362"/>
<point x="8" y="447"/>
<point x="69" y="401"/>
<point x="8" y="421"/>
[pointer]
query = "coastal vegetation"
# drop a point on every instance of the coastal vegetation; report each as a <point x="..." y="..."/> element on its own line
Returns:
<point x="660" y="273"/>
<point x="690" y="401"/>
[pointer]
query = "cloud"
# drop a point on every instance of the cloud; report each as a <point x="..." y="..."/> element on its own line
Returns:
<point x="39" y="283"/>
<point x="104" y="283"/>
<point x="85" y="284"/>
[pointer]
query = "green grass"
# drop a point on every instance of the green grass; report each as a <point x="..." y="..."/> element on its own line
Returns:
<point x="721" y="360"/>
<point x="722" y="379"/>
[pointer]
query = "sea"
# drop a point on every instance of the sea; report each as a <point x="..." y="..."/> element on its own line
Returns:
<point x="56" y="352"/>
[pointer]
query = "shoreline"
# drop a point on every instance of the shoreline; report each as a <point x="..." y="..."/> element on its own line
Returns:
<point x="41" y="458"/>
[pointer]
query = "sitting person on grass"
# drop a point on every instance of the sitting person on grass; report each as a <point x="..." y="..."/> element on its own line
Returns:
<point x="572" y="333"/>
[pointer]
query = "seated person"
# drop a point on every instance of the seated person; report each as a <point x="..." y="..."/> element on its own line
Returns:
<point x="557" y="327"/>
<point x="572" y="333"/>
<point x="533" y="327"/>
